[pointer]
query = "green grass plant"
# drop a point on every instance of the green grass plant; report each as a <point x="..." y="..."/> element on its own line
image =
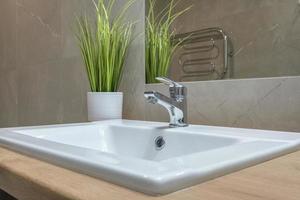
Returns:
<point x="104" y="45"/>
<point x="159" y="45"/>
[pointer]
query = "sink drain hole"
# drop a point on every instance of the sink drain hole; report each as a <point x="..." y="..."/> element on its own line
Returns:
<point x="160" y="143"/>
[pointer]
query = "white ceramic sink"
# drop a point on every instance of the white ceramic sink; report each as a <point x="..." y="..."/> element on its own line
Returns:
<point x="127" y="152"/>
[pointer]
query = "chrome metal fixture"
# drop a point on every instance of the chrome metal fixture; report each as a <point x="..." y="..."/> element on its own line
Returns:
<point x="176" y="104"/>
<point x="200" y="54"/>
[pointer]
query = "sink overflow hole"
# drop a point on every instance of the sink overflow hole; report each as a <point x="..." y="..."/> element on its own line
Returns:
<point x="160" y="143"/>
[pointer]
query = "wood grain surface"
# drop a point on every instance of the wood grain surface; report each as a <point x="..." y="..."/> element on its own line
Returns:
<point x="30" y="179"/>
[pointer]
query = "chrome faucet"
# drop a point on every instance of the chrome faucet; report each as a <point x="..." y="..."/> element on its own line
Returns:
<point x="175" y="104"/>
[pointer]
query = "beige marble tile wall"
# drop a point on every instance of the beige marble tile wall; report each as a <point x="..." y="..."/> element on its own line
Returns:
<point x="265" y="34"/>
<point x="51" y="78"/>
<point x="271" y="103"/>
<point x="8" y="66"/>
<point x="133" y="81"/>
<point x="42" y="77"/>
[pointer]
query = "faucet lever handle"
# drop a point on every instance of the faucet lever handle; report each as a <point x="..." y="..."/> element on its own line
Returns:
<point x="177" y="91"/>
<point x="168" y="82"/>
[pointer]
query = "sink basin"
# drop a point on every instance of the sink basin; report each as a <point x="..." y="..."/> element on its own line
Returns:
<point x="149" y="157"/>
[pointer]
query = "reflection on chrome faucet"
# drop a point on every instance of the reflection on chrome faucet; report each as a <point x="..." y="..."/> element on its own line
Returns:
<point x="175" y="104"/>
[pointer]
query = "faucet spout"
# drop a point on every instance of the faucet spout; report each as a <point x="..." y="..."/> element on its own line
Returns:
<point x="176" y="107"/>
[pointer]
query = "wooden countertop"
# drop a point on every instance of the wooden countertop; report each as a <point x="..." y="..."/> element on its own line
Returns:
<point x="30" y="179"/>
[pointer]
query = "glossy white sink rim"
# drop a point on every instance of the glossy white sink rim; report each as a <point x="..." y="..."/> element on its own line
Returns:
<point x="123" y="152"/>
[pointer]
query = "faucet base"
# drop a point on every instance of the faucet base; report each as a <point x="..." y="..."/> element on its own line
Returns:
<point x="177" y="125"/>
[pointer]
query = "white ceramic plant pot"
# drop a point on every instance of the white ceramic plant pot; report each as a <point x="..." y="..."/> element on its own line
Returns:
<point x="104" y="105"/>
